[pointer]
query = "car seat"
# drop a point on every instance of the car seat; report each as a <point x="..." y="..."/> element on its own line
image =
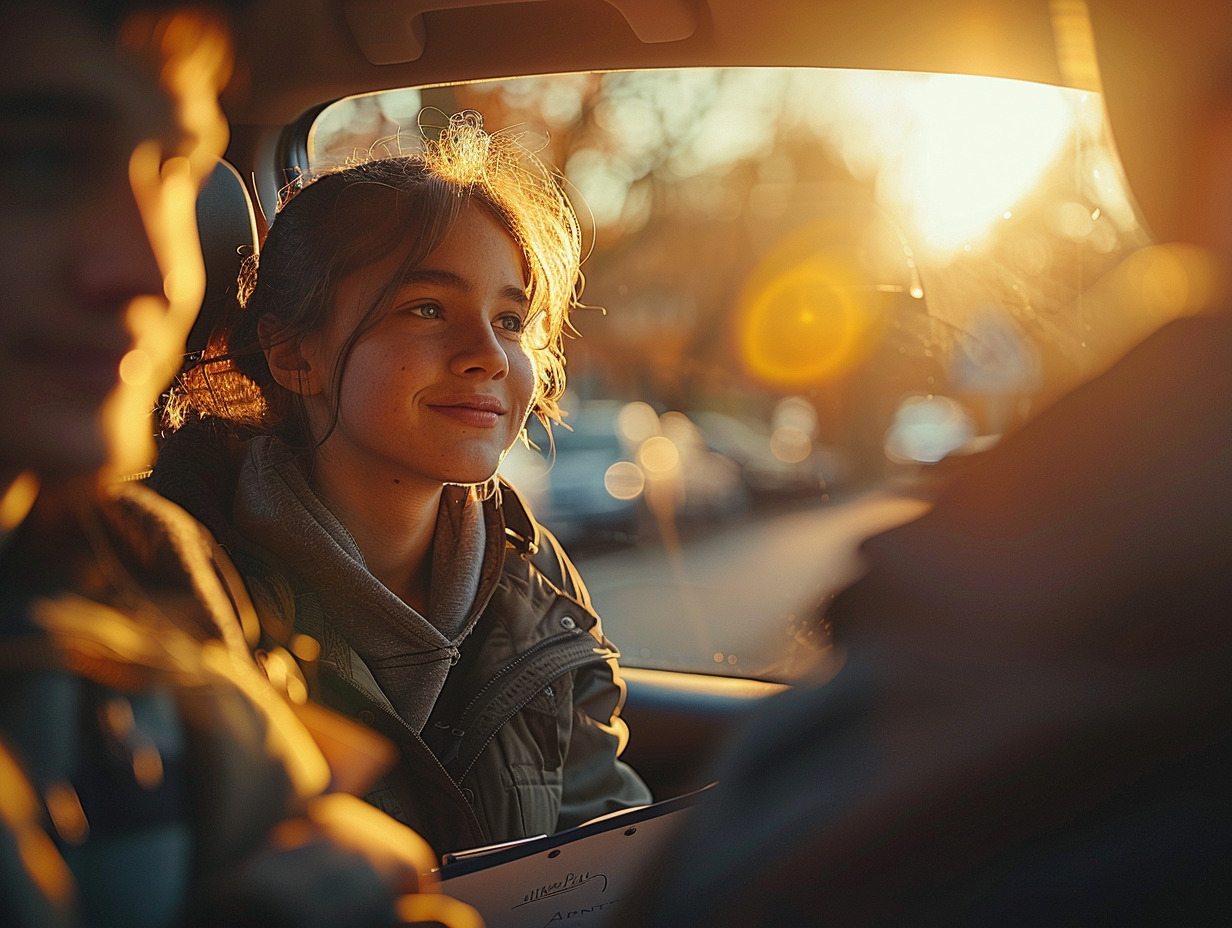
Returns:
<point x="227" y="227"/>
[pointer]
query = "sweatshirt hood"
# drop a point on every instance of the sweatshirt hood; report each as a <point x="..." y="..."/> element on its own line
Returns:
<point x="408" y="655"/>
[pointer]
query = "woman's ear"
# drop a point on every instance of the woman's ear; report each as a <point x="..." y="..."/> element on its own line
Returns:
<point x="287" y="361"/>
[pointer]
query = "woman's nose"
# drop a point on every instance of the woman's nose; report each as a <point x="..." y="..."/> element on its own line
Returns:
<point x="479" y="352"/>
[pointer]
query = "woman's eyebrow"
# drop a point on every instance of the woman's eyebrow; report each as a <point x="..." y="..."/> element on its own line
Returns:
<point x="441" y="278"/>
<point x="516" y="295"/>
<point x="458" y="282"/>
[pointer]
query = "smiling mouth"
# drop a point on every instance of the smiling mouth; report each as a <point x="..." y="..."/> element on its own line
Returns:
<point x="481" y="412"/>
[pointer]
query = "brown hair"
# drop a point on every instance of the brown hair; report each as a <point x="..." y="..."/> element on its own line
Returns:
<point x="351" y="217"/>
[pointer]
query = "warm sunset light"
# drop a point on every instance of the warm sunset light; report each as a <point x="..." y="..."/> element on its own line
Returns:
<point x="952" y="154"/>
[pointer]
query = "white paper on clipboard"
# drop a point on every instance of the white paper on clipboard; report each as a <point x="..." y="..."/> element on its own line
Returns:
<point x="576" y="877"/>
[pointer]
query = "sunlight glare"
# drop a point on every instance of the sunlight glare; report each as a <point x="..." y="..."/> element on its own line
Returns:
<point x="976" y="147"/>
<point x="951" y="153"/>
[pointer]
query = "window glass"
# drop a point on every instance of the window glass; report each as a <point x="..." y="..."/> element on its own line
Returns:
<point x="810" y="294"/>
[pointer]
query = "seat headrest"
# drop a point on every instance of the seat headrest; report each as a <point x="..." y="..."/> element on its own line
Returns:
<point x="227" y="226"/>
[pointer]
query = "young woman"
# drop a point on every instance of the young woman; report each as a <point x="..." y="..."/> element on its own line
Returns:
<point x="406" y="318"/>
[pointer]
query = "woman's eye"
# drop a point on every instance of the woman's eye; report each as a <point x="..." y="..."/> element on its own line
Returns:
<point x="427" y="310"/>
<point x="511" y="323"/>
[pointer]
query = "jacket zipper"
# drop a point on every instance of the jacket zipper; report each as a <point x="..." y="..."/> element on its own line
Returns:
<point x="418" y="738"/>
<point x="490" y="692"/>
<point x="515" y="709"/>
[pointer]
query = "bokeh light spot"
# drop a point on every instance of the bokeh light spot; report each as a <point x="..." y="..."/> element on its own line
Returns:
<point x="636" y="422"/>
<point x="624" y="480"/>
<point x="790" y="444"/>
<point x="658" y="455"/>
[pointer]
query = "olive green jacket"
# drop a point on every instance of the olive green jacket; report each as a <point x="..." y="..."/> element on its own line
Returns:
<point x="525" y="737"/>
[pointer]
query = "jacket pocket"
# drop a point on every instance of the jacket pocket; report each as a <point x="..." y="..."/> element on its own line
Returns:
<point x="533" y="797"/>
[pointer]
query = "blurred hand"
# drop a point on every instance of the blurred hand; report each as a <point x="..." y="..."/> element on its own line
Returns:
<point x="400" y="857"/>
<point x="343" y="864"/>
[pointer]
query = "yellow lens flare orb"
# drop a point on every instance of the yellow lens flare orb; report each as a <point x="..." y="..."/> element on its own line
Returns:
<point x="804" y="326"/>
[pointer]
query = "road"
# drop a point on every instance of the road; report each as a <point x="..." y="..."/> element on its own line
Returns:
<point x="734" y="600"/>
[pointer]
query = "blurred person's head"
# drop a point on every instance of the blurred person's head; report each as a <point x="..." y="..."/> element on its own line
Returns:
<point x="108" y="123"/>
<point x="1166" y="70"/>
<point x="346" y="260"/>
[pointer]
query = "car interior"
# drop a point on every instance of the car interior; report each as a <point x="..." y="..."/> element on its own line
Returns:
<point x="823" y="271"/>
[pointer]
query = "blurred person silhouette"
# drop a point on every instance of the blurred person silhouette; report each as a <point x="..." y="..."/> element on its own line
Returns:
<point x="149" y="774"/>
<point x="1031" y="722"/>
<point x="341" y="439"/>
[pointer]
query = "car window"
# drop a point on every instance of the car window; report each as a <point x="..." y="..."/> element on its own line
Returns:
<point x="809" y="292"/>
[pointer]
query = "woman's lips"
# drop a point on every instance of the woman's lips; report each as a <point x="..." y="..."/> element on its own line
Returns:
<point x="480" y="411"/>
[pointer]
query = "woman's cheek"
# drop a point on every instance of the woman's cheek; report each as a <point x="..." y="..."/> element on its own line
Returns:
<point x="522" y="364"/>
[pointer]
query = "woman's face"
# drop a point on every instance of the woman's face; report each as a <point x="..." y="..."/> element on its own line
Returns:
<point x="438" y="390"/>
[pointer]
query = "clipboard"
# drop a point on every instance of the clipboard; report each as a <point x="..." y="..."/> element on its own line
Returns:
<point x="575" y="877"/>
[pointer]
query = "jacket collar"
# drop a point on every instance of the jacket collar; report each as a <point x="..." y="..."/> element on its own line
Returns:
<point x="521" y="529"/>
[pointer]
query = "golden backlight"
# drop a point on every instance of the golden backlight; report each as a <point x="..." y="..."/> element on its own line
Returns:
<point x="968" y="150"/>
